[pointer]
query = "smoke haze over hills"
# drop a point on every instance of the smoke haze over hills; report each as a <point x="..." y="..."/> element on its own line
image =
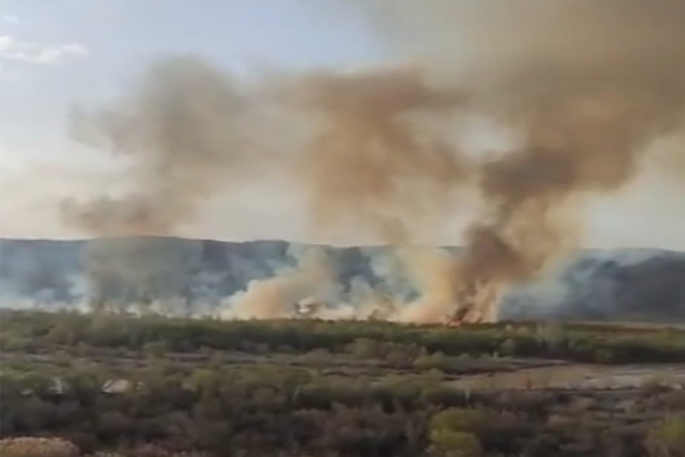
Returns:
<point x="584" y="90"/>
<point x="199" y="277"/>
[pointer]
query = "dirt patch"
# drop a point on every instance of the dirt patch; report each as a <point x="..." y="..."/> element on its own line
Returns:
<point x="578" y="376"/>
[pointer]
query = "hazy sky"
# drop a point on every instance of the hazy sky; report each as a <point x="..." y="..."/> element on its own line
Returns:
<point x="57" y="52"/>
<point x="53" y="53"/>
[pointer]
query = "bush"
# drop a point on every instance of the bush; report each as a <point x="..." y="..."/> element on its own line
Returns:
<point x="156" y="348"/>
<point x="451" y="443"/>
<point x="508" y="347"/>
<point x="364" y="348"/>
<point x="460" y="419"/>
<point x="453" y="432"/>
<point x="430" y="362"/>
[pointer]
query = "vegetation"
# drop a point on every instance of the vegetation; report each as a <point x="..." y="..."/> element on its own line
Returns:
<point x="115" y="386"/>
<point x="157" y="334"/>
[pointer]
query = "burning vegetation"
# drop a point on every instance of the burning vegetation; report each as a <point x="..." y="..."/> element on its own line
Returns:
<point x="585" y="86"/>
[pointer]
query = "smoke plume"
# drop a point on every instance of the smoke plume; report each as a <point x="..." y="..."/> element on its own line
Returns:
<point x="374" y="161"/>
<point x="586" y="86"/>
<point x="123" y="272"/>
<point x="188" y="132"/>
<point x="279" y="296"/>
<point x="370" y="163"/>
<point x="433" y="271"/>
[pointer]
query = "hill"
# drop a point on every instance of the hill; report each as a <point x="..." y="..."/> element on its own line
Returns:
<point x="628" y="285"/>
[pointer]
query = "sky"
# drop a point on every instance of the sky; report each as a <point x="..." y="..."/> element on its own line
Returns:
<point x="84" y="50"/>
<point x="55" y="53"/>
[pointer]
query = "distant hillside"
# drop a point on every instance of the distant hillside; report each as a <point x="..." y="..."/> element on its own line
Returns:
<point x="644" y="285"/>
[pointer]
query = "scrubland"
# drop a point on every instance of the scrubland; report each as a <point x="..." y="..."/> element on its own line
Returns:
<point x="98" y="384"/>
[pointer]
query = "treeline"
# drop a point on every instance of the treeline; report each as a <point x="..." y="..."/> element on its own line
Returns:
<point x="28" y="331"/>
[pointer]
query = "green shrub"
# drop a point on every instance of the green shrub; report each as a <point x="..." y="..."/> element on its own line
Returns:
<point x="450" y="443"/>
<point x="460" y="419"/>
<point x="430" y="362"/>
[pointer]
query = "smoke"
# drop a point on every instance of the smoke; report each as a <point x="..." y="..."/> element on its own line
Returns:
<point x="433" y="271"/>
<point x="188" y="131"/>
<point x="585" y="85"/>
<point x="154" y="274"/>
<point x="278" y="297"/>
<point x="370" y="163"/>
<point x="377" y="161"/>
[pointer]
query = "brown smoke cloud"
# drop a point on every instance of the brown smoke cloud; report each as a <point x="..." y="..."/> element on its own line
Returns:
<point x="369" y="163"/>
<point x="586" y="85"/>
<point x="188" y="130"/>
<point x="279" y="296"/>
<point x="373" y="163"/>
<point x="434" y="271"/>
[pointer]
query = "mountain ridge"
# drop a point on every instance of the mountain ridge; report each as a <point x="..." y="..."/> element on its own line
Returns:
<point x="634" y="283"/>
